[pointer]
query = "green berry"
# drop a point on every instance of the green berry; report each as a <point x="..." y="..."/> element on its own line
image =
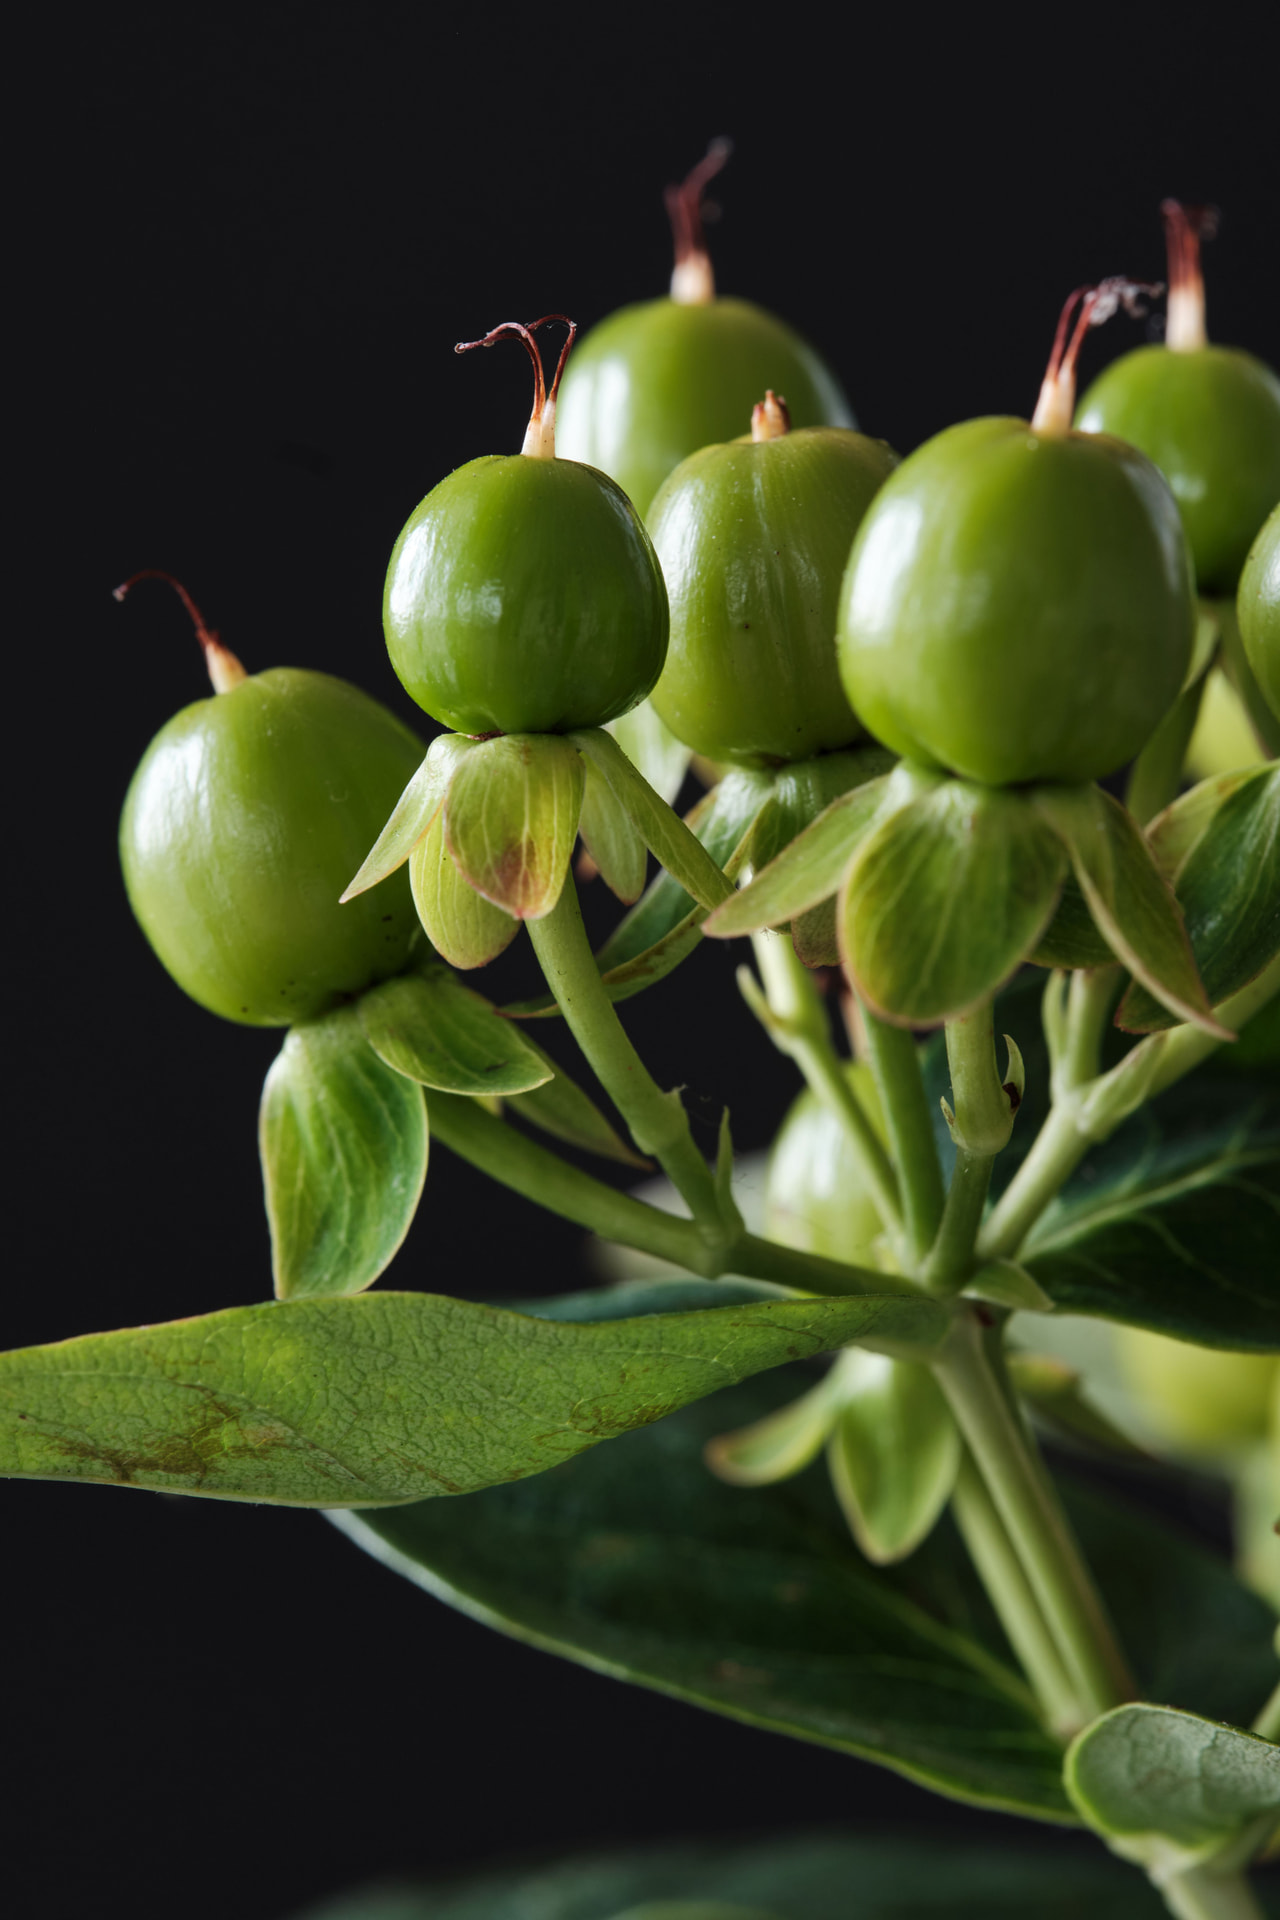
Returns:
<point x="1258" y="607"/>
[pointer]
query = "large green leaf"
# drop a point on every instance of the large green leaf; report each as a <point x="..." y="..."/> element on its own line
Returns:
<point x="945" y="899"/>
<point x="511" y="819"/>
<point x="923" y="1875"/>
<point x="1174" y="1222"/>
<point x="1228" y="886"/>
<point x="1168" y="1789"/>
<point x="385" y="1397"/>
<point x="344" y="1154"/>
<point x="430" y="1027"/>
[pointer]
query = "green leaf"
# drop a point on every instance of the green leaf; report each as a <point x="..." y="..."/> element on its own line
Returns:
<point x="464" y="928"/>
<point x="798" y="1876"/>
<point x="663" y="831"/>
<point x="511" y="819"/>
<point x="344" y="1156"/>
<point x="612" y="842"/>
<point x="1129" y="900"/>
<point x="893" y="1453"/>
<point x="803" y="790"/>
<point x="1169" y="1790"/>
<point x="431" y="1028"/>
<point x="1173" y="1223"/>
<point x="1228" y="887"/>
<point x="815" y="936"/>
<point x="781" y="1444"/>
<point x="388" y="1396"/>
<point x="810" y="867"/>
<point x="1006" y="1284"/>
<point x="650" y="745"/>
<point x="559" y="1107"/>
<point x="1176" y="833"/>
<point x="1071" y="939"/>
<point x="945" y="899"/>
<point x="413" y="812"/>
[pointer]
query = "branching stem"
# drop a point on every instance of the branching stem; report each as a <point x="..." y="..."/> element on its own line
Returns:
<point x="894" y="1060"/>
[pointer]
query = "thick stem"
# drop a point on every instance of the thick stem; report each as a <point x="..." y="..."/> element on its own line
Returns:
<point x="1028" y="1506"/>
<point x="796" y="1020"/>
<point x="895" y="1065"/>
<point x="658" y="1122"/>
<point x="1157" y="772"/>
<point x="1200" y="1894"/>
<point x="1000" y="1571"/>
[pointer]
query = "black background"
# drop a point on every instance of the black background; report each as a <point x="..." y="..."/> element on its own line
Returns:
<point x="245" y="243"/>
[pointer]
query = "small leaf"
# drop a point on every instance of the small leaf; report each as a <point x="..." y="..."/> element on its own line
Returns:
<point x="1176" y="833"/>
<point x="413" y="813"/>
<point x="559" y="1106"/>
<point x="344" y="1157"/>
<point x="803" y="790"/>
<point x="462" y="926"/>
<point x="386" y="1397"/>
<point x="611" y="840"/>
<point x="780" y="1445"/>
<point x="1227" y="883"/>
<point x="431" y="1028"/>
<point x="1168" y="1790"/>
<point x="945" y="899"/>
<point x="1006" y="1284"/>
<point x="650" y="745"/>
<point x="894" y="1453"/>
<point x="663" y="831"/>
<point x="1071" y="940"/>
<point x="1055" y="1393"/>
<point x="808" y="869"/>
<point x="1130" y="902"/>
<point x="511" y="819"/>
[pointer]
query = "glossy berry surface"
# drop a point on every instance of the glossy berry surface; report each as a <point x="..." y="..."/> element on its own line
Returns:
<point x="1018" y="605"/>
<point x="1258" y="607"/>
<point x="1210" y="420"/>
<point x="243" y="824"/>
<point x="655" y="381"/>
<point x="753" y="538"/>
<point x="524" y="596"/>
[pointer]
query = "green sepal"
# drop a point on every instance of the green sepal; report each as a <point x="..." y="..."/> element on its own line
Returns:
<point x="663" y="832"/>
<point x="559" y="1107"/>
<point x="1006" y="1284"/>
<point x="810" y="868"/>
<point x="432" y="1029"/>
<point x="783" y="1443"/>
<point x="617" y="850"/>
<point x="1053" y="1390"/>
<point x="893" y="1453"/>
<point x="946" y="899"/>
<point x="815" y="935"/>
<point x="1226" y="879"/>
<point x="464" y="928"/>
<point x="804" y="789"/>
<point x="1130" y="902"/>
<point x="1171" y="1791"/>
<point x="343" y="1141"/>
<point x="511" y="819"/>
<point x="1071" y="940"/>
<point x="387" y="1397"/>
<point x="650" y="745"/>
<point x="413" y="812"/>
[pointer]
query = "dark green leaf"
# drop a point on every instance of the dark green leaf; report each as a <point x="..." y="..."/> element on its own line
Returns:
<point x="1228" y="886"/>
<point x="462" y="926"/>
<point x="1169" y="1789"/>
<point x="945" y="899"/>
<point x="430" y="1027"/>
<point x="1173" y="1223"/>
<point x="344" y="1155"/>
<point x="923" y="1875"/>
<point x="385" y="1397"/>
<point x="511" y="819"/>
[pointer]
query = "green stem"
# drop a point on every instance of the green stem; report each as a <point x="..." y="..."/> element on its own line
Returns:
<point x="658" y="1122"/>
<point x="950" y="1260"/>
<point x="984" y="1104"/>
<point x="1090" y="996"/>
<point x="895" y="1065"/>
<point x="1056" y="1152"/>
<point x="1025" y="1499"/>
<point x="1201" y="1894"/>
<point x="1268" y="1721"/>
<point x="1157" y="771"/>
<point x="515" y="1161"/>
<point x="796" y="1020"/>
<point x="1000" y="1571"/>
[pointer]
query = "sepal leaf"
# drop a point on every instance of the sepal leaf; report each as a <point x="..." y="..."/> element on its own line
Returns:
<point x="809" y="868"/>
<point x="650" y="745"/>
<point x="781" y="1444"/>
<point x="893" y="1453"/>
<point x="432" y="1029"/>
<point x="464" y="928"/>
<point x="663" y="832"/>
<point x="511" y="818"/>
<point x="343" y="1140"/>
<point x="413" y="813"/>
<point x="615" y="847"/>
<point x="559" y="1107"/>
<point x="945" y="899"/>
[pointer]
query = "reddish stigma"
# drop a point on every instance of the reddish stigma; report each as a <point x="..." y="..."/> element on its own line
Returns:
<point x="1089" y="307"/>
<point x="539" y="438"/>
<point x="225" y="671"/>
<point x="1184" y="229"/>
<point x="692" y="280"/>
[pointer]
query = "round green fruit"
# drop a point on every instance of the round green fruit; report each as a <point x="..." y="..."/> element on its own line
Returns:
<point x="657" y="380"/>
<point x="814" y="1197"/>
<point x="1258" y="608"/>
<point x="1210" y="420"/>
<point x="243" y="824"/>
<point x="1018" y="605"/>
<point x="753" y="538"/>
<point x="524" y="596"/>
